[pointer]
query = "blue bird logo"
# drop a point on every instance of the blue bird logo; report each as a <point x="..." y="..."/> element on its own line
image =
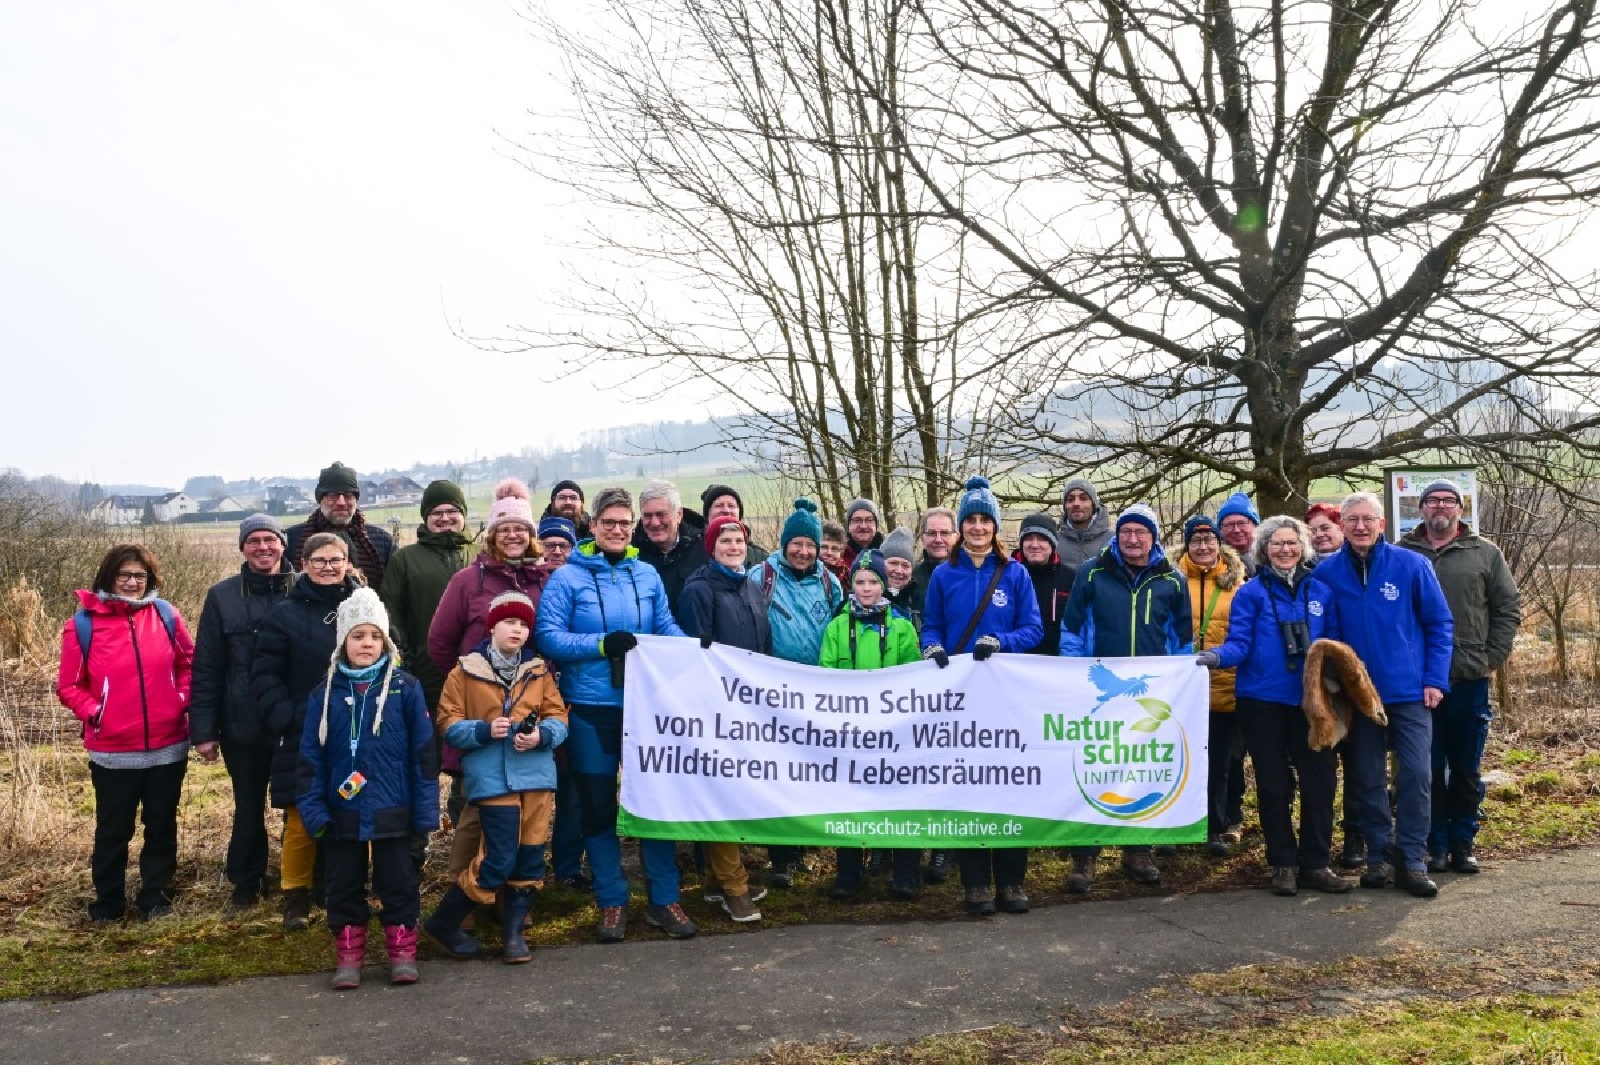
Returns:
<point x="1111" y="685"/>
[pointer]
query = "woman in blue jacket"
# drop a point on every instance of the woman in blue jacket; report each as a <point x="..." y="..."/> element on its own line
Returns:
<point x="979" y="601"/>
<point x="588" y="615"/>
<point x="1275" y="618"/>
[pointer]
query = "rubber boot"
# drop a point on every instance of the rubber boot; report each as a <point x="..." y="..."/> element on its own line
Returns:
<point x="349" y="948"/>
<point x="444" y="927"/>
<point x="401" y="943"/>
<point x="518" y="902"/>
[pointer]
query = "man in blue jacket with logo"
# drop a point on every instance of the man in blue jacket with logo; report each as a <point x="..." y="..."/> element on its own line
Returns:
<point x="1393" y="613"/>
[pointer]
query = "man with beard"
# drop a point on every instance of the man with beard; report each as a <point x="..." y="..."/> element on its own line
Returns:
<point x="566" y="501"/>
<point x="338" y="511"/>
<point x="1085" y="524"/>
<point x="863" y="528"/>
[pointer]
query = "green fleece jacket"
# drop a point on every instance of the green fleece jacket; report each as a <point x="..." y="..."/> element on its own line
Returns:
<point x="874" y="648"/>
<point x="1483" y="599"/>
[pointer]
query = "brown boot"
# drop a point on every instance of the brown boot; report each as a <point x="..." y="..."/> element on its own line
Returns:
<point x="1082" y="874"/>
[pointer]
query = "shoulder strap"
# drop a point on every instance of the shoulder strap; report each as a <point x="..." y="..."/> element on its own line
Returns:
<point x="83" y="627"/>
<point x="769" y="580"/>
<point x="169" y="619"/>
<point x="982" y="605"/>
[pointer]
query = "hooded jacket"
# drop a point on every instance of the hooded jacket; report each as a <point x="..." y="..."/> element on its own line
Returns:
<point x="1211" y="595"/>
<point x="132" y="693"/>
<point x="584" y="600"/>
<point x="1114" y="613"/>
<point x="1078" y="546"/>
<point x="401" y="794"/>
<point x="1011" y="614"/>
<point x="1484" y="601"/>
<point x="798" y="608"/>
<point x="1394" y="614"/>
<point x="1255" y="643"/>
<point x="458" y="624"/>
<point x="293" y="647"/>
<point x="676" y="565"/>
<point x="725" y="605"/>
<point x="1052" y="587"/>
<point x="474" y="696"/>
<point x="413" y="586"/>
<point x="222" y="707"/>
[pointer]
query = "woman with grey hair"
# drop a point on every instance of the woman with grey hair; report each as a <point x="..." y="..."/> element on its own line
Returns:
<point x="1276" y="616"/>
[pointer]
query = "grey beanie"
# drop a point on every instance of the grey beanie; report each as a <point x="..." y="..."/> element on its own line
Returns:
<point x="867" y="505"/>
<point x="1442" y="486"/>
<point x="1084" y="485"/>
<point x="898" y="545"/>
<point x="261" y="523"/>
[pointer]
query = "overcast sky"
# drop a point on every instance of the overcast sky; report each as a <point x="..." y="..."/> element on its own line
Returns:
<point x="233" y="238"/>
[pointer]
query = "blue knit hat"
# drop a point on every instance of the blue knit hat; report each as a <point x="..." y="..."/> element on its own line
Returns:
<point x="803" y="522"/>
<point x="871" y="560"/>
<point x="1238" y="503"/>
<point x="558" y="526"/>
<point x="1141" y="514"/>
<point x="977" y="499"/>
<point x="1195" y="524"/>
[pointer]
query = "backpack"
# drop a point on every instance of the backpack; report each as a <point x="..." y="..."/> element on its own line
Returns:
<point x="830" y="585"/>
<point x="83" y="625"/>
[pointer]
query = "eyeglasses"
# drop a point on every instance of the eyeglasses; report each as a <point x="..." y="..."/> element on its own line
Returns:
<point x="326" y="563"/>
<point x="1282" y="545"/>
<point x="444" y="510"/>
<point x="559" y="547"/>
<point x="936" y="534"/>
<point x="568" y="497"/>
<point x="1202" y="540"/>
<point x="1360" y="519"/>
<point x="618" y="524"/>
<point x="1237" y="523"/>
<point x="349" y="497"/>
<point x="129" y="577"/>
<point x="1440" y="501"/>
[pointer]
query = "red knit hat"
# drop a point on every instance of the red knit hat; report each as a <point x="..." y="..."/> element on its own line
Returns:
<point x="510" y="605"/>
<point x="714" y="530"/>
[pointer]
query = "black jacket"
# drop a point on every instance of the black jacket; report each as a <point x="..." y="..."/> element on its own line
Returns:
<point x="1052" y="586"/>
<point x="221" y="706"/>
<point x="293" y="648"/>
<point x="908" y="600"/>
<point x="676" y="566"/>
<point x="731" y="607"/>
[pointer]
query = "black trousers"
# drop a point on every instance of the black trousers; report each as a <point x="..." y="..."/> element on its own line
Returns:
<point x="1223" y="753"/>
<point x="250" y="770"/>
<point x="905" y="866"/>
<point x="1276" y="734"/>
<point x="394" y="880"/>
<point x="999" y="866"/>
<point x="120" y="797"/>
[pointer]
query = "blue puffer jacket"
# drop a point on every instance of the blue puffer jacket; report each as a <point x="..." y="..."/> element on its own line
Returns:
<point x="401" y="793"/>
<point x="1114" y="614"/>
<point x="799" y="609"/>
<point x="584" y="600"/>
<point x="1011" y="614"/>
<point x="1255" y="643"/>
<point x="473" y="697"/>
<point x="1393" y="613"/>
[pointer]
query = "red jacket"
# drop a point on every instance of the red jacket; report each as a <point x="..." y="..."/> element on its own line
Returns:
<point x="133" y="693"/>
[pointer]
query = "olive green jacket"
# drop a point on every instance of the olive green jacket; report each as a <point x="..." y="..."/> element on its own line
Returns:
<point x="413" y="584"/>
<point x="1483" y="599"/>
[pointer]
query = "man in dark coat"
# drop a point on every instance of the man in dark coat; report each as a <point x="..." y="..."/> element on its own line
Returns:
<point x="669" y="539"/>
<point x="566" y="501"/>
<point x="338" y="510"/>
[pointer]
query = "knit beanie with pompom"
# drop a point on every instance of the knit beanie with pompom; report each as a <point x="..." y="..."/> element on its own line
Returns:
<point x="511" y="504"/>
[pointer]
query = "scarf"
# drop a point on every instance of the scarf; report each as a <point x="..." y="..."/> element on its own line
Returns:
<point x="504" y="665"/>
<point x="877" y="614"/>
<point x="367" y="560"/>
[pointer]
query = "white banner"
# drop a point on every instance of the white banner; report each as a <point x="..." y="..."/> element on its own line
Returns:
<point x="1018" y="751"/>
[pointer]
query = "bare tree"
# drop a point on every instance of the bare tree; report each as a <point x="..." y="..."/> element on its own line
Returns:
<point x="1273" y="243"/>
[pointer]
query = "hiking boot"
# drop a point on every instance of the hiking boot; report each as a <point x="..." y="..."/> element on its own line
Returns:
<point x="979" y="901"/>
<point x="670" y="919"/>
<point x="1082" y="874"/>
<point x="1438" y="862"/>
<point x="1233" y="833"/>
<point x="938" y="867"/>
<point x="1353" y="855"/>
<point x="244" y="897"/>
<point x="1416" y="882"/>
<point x="1326" y="879"/>
<point x="1284" y="881"/>
<point x="1013" y="899"/>
<point x="349" y="948"/>
<point x="903" y="888"/>
<point x="400" y="942"/>
<point x="844" y="889"/>
<point x="613" y="924"/>
<point x="159" y="912"/>
<point x="1462" y="860"/>
<point x="296" y="910"/>
<point x="514" y="949"/>
<point x="444" y="926"/>
<point x="712" y="892"/>
<point x="740" y="908"/>
<point x="1378" y="875"/>
<point x="782" y="876"/>
<point x="1141" y="869"/>
<point x="1216" y="847"/>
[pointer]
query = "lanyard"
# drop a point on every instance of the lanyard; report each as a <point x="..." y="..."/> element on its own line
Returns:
<point x="1205" y="618"/>
<point x="357" y="711"/>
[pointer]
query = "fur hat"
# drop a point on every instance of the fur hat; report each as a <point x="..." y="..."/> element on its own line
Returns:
<point x="714" y="530"/>
<point x="441" y="492"/>
<point x="977" y="499"/>
<point x="261" y="523"/>
<point x="1195" y="524"/>
<point x="337" y="478"/>
<point x="898" y="545"/>
<point x="511" y="504"/>
<point x="1140" y="514"/>
<point x="1040" y="524"/>
<point x="510" y="605"/>
<point x="555" y="525"/>
<point x="715" y="492"/>
<point x="803" y="522"/>
<point x="363" y="607"/>
<point x="871" y="560"/>
<point x="1238" y="504"/>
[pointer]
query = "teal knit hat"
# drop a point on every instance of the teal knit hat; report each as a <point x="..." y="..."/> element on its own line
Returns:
<point x="803" y="522"/>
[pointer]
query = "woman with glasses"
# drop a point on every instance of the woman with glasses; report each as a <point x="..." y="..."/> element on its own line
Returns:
<point x="124" y="674"/>
<point x="292" y="652"/>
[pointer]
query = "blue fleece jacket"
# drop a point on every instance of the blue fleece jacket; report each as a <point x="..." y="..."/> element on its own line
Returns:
<point x="799" y="609"/>
<point x="1393" y="613"/>
<point x="1011" y="614"/>
<point x="584" y="600"/>
<point x="1255" y="643"/>
<point x="401" y="793"/>
<point x="1113" y="613"/>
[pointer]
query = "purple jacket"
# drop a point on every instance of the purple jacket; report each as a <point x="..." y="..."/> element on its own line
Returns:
<point x="459" y="624"/>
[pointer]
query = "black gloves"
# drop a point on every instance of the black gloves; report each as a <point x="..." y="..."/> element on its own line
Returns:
<point x="617" y="644"/>
<point x="937" y="653"/>
<point x="986" y="646"/>
<point x="706" y="641"/>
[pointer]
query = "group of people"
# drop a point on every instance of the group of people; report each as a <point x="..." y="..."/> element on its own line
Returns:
<point x="337" y="677"/>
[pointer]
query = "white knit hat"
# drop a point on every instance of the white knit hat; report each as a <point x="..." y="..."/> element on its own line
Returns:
<point x="362" y="608"/>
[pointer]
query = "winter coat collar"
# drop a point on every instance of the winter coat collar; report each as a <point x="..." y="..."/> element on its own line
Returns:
<point x="1465" y="537"/>
<point x="275" y="583"/>
<point x="1099" y="524"/>
<point x="1227" y="571"/>
<point x="476" y="664"/>
<point x="1111" y="557"/>
<point x="589" y="557"/>
<point x="446" y="542"/>
<point x="322" y="594"/>
<point x="690" y="532"/>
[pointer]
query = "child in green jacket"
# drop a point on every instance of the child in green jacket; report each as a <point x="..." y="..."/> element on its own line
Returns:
<point x="867" y="633"/>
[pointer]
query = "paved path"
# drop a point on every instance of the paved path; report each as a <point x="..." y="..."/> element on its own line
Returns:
<point x="725" y="997"/>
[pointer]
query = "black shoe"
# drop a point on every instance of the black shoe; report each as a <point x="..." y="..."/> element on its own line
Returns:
<point x="1378" y="875"/>
<point x="1438" y="863"/>
<point x="1417" y="884"/>
<point x="1462" y="860"/>
<point x="904" y="888"/>
<point x="1141" y="870"/>
<point x="244" y="897"/>
<point x="1082" y="877"/>
<point x="781" y="876"/>
<point x="844" y="889"/>
<point x="1354" y="853"/>
<point x="938" y="867"/>
<point x="159" y="911"/>
<point x="1013" y="899"/>
<point x="1215" y="847"/>
<point x="979" y="901"/>
<point x="444" y="925"/>
<point x="107" y="912"/>
<point x="296" y="910"/>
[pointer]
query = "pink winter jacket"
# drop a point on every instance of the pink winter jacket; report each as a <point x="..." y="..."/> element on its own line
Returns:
<point x="133" y="693"/>
<point x="458" y="625"/>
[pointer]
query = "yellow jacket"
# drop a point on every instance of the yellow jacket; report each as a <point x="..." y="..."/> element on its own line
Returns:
<point x="1212" y="590"/>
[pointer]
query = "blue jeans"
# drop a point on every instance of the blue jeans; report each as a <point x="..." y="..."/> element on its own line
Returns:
<point x="1460" y="729"/>
<point x="594" y="754"/>
<point x="1410" y="736"/>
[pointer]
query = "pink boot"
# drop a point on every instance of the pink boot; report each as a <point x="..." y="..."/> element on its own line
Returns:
<point x="401" y="942"/>
<point x="349" y="948"/>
